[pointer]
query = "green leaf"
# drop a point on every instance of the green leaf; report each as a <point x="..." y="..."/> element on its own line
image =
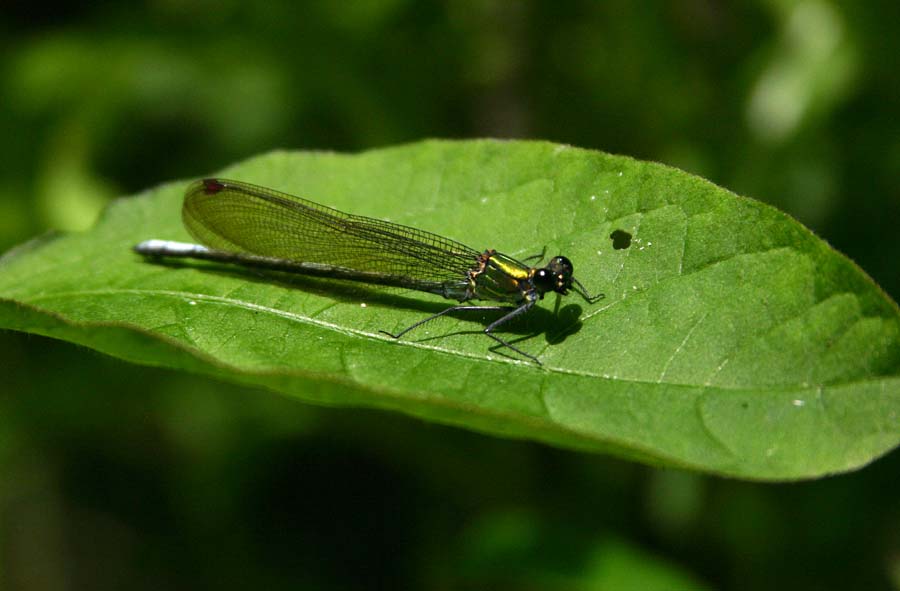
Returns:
<point x="731" y="340"/>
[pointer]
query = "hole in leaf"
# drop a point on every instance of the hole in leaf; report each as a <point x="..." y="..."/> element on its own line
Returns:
<point x="621" y="239"/>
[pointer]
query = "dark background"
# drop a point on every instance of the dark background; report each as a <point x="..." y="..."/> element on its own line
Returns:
<point x="118" y="476"/>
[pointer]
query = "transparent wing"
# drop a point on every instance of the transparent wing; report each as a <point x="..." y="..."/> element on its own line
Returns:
<point x="240" y="217"/>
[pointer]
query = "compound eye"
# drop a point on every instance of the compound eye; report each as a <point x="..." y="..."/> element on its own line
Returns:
<point x="561" y="265"/>
<point x="544" y="280"/>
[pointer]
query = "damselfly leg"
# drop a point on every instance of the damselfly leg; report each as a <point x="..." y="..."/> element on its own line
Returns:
<point x="489" y="329"/>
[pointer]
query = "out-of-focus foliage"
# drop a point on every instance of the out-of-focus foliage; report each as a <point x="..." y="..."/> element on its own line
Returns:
<point x="117" y="476"/>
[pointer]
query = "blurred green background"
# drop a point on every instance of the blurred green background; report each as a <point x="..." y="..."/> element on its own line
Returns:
<point x="117" y="476"/>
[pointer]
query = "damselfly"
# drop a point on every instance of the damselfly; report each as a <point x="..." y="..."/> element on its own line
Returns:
<point x="240" y="223"/>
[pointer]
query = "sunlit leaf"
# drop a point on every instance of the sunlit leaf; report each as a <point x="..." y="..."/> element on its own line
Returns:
<point x="731" y="339"/>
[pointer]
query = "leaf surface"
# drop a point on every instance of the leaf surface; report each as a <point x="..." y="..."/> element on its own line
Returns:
<point x="731" y="339"/>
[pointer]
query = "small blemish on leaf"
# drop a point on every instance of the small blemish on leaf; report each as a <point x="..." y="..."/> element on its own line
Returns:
<point x="620" y="239"/>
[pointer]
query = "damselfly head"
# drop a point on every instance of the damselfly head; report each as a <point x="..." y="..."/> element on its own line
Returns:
<point x="556" y="276"/>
